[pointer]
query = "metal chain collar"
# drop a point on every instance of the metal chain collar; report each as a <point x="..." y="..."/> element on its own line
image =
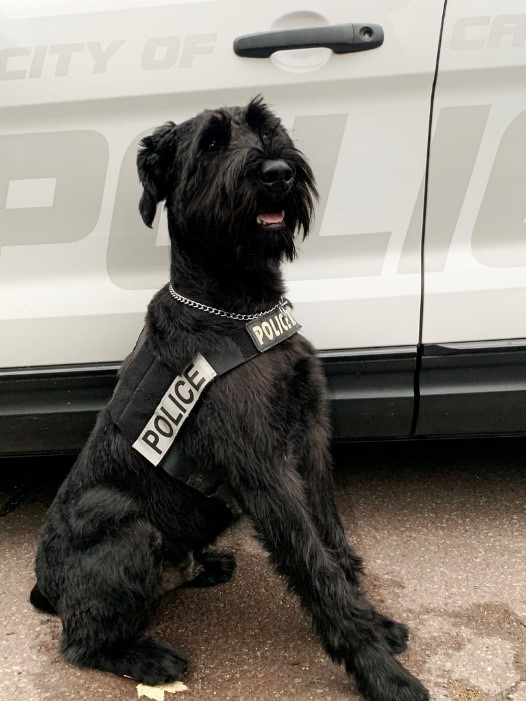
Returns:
<point x="220" y="312"/>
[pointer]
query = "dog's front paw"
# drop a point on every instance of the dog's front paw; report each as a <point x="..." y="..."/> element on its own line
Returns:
<point x="384" y="679"/>
<point x="396" y="634"/>
<point x="218" y="568"/>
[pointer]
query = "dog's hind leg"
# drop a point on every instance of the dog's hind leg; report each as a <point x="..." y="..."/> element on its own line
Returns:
<point x="343" y="619"/>
<point x="111" y="582"/>
<point x="103" y="619"/>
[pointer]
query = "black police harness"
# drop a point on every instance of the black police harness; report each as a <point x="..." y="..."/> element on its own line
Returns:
<point x="149" y="405"/>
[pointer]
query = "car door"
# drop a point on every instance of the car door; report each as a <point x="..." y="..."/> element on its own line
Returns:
<point x="473" y="377"/>
<point x="78" y="266"/>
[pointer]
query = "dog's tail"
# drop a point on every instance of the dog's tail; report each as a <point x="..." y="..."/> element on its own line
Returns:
<point x="40" y="602"/>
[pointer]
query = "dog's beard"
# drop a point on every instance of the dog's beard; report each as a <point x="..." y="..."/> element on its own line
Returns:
<point x="238" y="239"/>
<point x="266" y="244"/>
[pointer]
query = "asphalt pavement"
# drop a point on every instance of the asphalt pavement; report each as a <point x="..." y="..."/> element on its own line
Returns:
<point x="442" y="529"/>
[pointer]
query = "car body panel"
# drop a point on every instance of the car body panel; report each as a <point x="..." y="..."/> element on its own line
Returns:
<point x="475" y="239"/>
<point x="78" y="266"/>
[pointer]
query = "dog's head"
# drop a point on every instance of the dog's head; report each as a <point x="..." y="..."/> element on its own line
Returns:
<point x="235" y="185"/>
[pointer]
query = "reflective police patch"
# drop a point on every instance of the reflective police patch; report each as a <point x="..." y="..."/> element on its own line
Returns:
<point x="159" y="433"/>
<point x="271" y="328"/>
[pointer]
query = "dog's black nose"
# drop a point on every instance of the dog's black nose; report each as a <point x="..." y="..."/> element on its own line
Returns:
<point x="276" y="174"/>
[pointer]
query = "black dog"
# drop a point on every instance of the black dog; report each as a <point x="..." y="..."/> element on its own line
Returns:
<point x="121" y="530"/>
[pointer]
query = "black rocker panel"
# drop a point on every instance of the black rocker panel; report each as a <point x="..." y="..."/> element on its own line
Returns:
<point x="473" y="388"/>
<point x="465" y="389"/>
<point x="53" y="409"/>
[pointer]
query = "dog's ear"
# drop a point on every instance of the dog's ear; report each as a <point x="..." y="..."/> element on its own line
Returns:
<point x="154" y="163"/>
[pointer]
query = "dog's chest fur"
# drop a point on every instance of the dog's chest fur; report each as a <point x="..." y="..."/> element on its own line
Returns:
<point x="276" y="383"/>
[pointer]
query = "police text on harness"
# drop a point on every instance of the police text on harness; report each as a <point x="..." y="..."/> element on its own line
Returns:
<point x="164" y="425"/>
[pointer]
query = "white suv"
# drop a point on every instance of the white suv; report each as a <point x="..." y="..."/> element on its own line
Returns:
<point x="413" y="281"/>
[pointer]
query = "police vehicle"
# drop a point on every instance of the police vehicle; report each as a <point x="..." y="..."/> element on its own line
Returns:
<point x="412" y="284"/>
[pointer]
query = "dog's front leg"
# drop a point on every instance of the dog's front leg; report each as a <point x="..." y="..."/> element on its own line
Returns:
<point x="315" y="463"/>
<point x="319" y="485"/>
<point x="343" y="619"/>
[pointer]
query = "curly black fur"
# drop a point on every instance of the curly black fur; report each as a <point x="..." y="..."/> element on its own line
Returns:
<point x="117" y="522"/>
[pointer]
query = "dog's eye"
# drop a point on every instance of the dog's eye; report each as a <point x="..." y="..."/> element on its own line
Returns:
<point x="268" y="131"/>
<point x="215" y="136"/>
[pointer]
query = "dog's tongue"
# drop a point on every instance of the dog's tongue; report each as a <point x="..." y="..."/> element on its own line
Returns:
<point x="272" y="218"/>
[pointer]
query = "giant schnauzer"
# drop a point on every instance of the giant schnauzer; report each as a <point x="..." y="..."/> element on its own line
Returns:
<point x="122" y="529"/>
